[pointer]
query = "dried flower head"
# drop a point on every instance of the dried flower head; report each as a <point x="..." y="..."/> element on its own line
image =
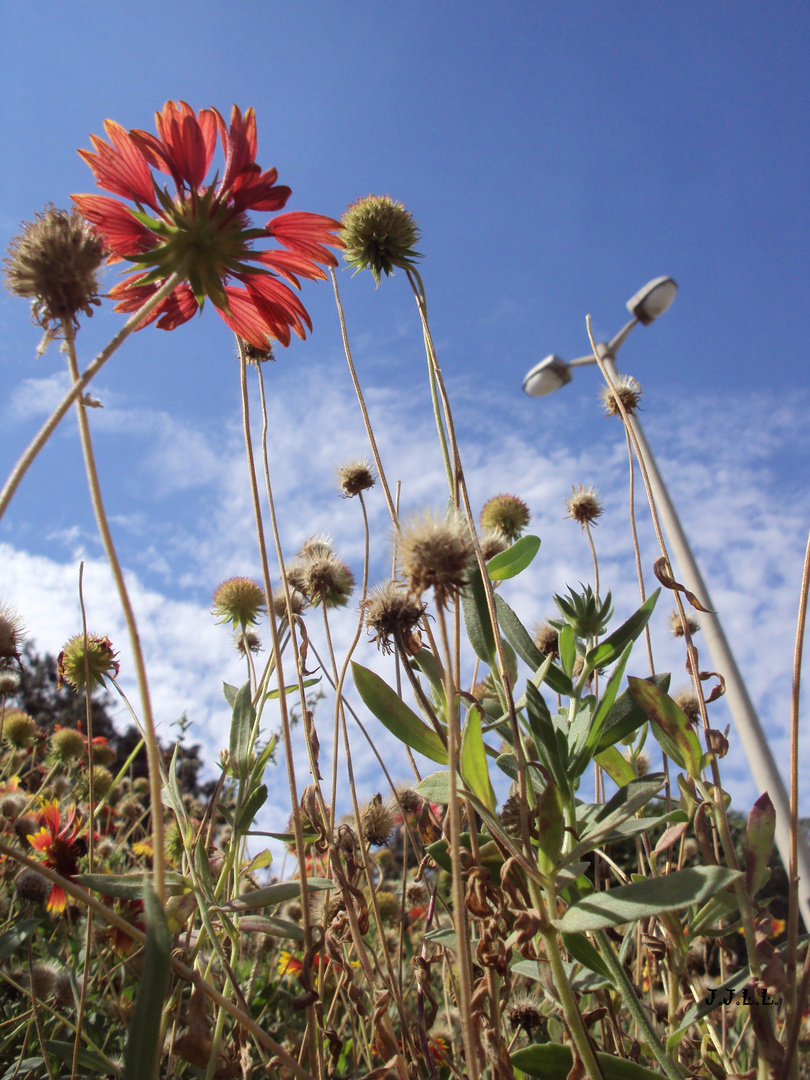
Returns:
<point x="103" y="753"/>
<point x="547" y="640"/>
<point x="584" y="505"/>
<point x="391" y="613"/>
<point x="102" y="783"/>
<point x="42" y="980"/>
<point x="239" y="600"/>
<point x="507" y="514"/>
<point x="410" y="801"/>
<point x="380" y="234"/>
<point x="689" y="705"/>
<point x="415" y="893"/>
<point x="717" y="741"/>
<point x="676" y="623"/>
<point x="388" y="903"/>
<point x="98" y="660"/>
<point x="524" y="1013"/>
<point x="247" y="641"/>
<point x="53" y="262"/>
<point x="628" y="392"/>
<point x="9" y="682"/>
<point x="255" y="355"/>
<point x="19" y="729"/>
<point x="67" y="744"/>
<point x="435" y="553"/>
<point x="297" y="601"/>
<point x="319" y="574"/>
<point x="377" y="821"/>
<point x="354" y="477"/>
<point x="31" y="886"/>
<point x="643" y="763"/>
<point x="510" y="815"/>
<point x="492" y="542"/>
<point x="11" y="633"/>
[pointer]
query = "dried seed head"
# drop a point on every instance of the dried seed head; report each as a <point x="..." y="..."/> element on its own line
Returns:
<point x="11" y="634"/>
<point x="102" y="782"/>
<point x="297" y="601"/>
<point x="524" y="1013"/>
<point x="388" y="903"/>
<point x="240" y="601"/>
<point x="379" y="234"/>
<point x="547" y="640"/>
<point x="103" y="753"/>
<point x="584" y="505"/>
<point x="391" y="613"/>
<point x="9" y="682"/>
<point x="53" y="262"/>
<point x="435" y="553"/>
<point x="31" y="886"/>
<point x="410" y="801"/>
<point x="676" y="623"/>
<point x="256" y="356"/>
<point x="42" y="980"/>
<point x="246" y="641"/>
<point x="102" y="662"/>
<point x="689" y="705"/>
<point x="354" y="477"/>
<point x="415" y="893"/>
<point x="628" y="392"/>
<point x="510" y="815"/>
<point x="643" y="763"/>
<point x="67" y="744"/>
<point x="492" y="542"/>
<point x="319" y="574"/>
<point x="19" y="729"/>
<point x="377" y="821"/>
<point x="717" y="742"/>
<point x="507" y="514"/>
<point x="131" y="808"/>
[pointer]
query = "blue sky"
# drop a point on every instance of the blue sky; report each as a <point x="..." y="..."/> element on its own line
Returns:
<point x="556" y="156"/>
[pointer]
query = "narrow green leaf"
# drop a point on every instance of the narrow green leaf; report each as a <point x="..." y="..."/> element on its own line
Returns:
<point x="473" y="760"/>
<point x="257" y="772"/>
<point x="582" y="950"/>
<point x="244" y="716"/>
<point x="476" y="619"/>
<point x="128" y="886"/>
<point x="263" y="924"/>
<point x="272" y="694"/>
<point x="759" y="842"/>
<point x="258" y="798"/>
<point x="617" y="767"/>
<point x="670" y="726"/>
<point x="545" y="735"/>
<point x="394" y="714"/>
<point x="568" y="649"/>
<point x="629" y="903"/>
<point x="519" y="638"/>
<point x="260" y="861"/>
<point x="514" y="560"/>
<point x="627" y="715"/>
<point x="626" y="802"/>
<point x="551" y="829"/>
<point x="435" y="788"/>
<point x="272" y="895"/>
<point x="555" y="1061"/>
<point x="12" y="938"/>
<point x="142" y="1054"/>
<point x="230" y="693"/>
<point x="582" y="759"/>
<point x="607" y="651"/>
<point x="88" y="1059"/>
<point x="427" y="663"/>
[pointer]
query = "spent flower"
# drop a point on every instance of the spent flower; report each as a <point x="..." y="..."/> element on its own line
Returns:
<point x="584" y="506"/>
<point x="391" y="612"/>
<point x="627" y="390"/>
<point x="379" y="234"/>
<point x="203" y="229"/>
<point x="435" y="553"/>
<point x="355" y="477"/>
<point x="98" y="662"/>
<point x="11" y="633"/>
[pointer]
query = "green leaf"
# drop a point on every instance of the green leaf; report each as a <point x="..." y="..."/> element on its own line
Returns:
<point x="759" y="842"/>
<point x="129" y="886"/>
<point x="518" y="637"/>
<point x="627" y="715"/>
<point x="582" y="950"/>
<point x="555" y="1061"/>
<point x="88" y="1059"/>
<point x="260" y="861"/>
<point x="263" y="924"/>
<point x="16" y="935"/>
<point x="230" y="693"/>
<point x="616" y="766"/>
<point x="514" y="560"/>
<point x="545" y="735"/>
<point x="568" y="649"/>
<point x="272" y="694"/>
<point x="257" y="772"/>
<point x="508" y="763"/>
<point x="626" y="802"/>
<point x="427" y="663"/>
<point x="653" y="896"/>
<point x="614" y="645"/>
<point x="551" y="829"/>
<point x="671" y="728"/>
<point x="394" y="714"/>
<point x="435" y="788"/>
<point x="142" y="1054"/>
<point x="258" y="798"/>
<point x="473" y="760"/>
<point x="275" y="894"/>
<point x="244" y="716"/>
<point x="582" y="759"/>
<point x="476" y="619"/>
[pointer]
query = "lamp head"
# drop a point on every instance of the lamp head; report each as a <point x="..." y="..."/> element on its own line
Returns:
<point x="653" y="300"/>
<point x="547" y="376"/>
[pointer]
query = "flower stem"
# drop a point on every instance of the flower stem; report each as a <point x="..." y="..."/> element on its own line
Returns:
<point x="419" y="292"/>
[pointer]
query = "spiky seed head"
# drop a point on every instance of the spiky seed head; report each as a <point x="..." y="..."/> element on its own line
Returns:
<point x="507" y="514"/>
<point x="140" y="786"/>
<point x="492" y="542"/>
<point x="323" y="579"/>
<point x="547" y="640"/>
<point x="9" y="682"/>
<point x="628" y="392"/>
<point x="377" y="821"/>
<point x="321" y="546"/>
<point x="643" y="763"/>
<point x="19" y="729"/>
<point x="415" y="893"/>
<point x="297" y="600"/>
<point x="584" y="505"/>
<point x="388" y="903"/>
<point x="239" y="601"/>
<point x="11" y="634"/>
<point x="676" y="623"/>
<point x="102" y="661"/>
<point x="689" y="705"/>
<point x="67" y="744"/>
<point x="524" y="1014"/>
<point x="392" y="614"/>
<point x="31" y="886"/>
<point x="246" y="641"/>
<point x="11" y="805"/>
<point x="53" y="262"/>
<point x="410" y="801"/>
<point x="379" y="234"/>
<point x="354" y="477"/>
<point x="103" y="753"/>
<point x="64" y="988"/>
<point x="131" y="808"/>
<point x="102" y="782"/>
<point x="435" y="553"/>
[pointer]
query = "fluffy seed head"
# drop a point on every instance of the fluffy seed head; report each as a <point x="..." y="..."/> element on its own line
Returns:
<point x="67" y="744"/>
<point x="43" y="979"/>
<point x="507" y="514"/>
<point x="19" y="729"/>
<point x="9" y="682"/>
<point x="689" y="705"/>
<point x="319" y="574"/>
<point x="239" y="600"/>
<point x="354" y="477"/>
<point x="492" y="542"/>
<point x="53" y="262"/>
<point x="391" y="613"/>
<point x="247" y="641"/>
<point x="435" y="553"/>
<point x="628" y="392"/>
<point x="31" y="886"/>
<point x="584" y="505"/>
<point x="547" y="640"/>
<point x="676" y="623"/>
<point x="297" y="601"/>
<point x="643" y="763"/>
<point x="379" y="234"/>
<point x="377" y="821"/>
<point x="102" y="661"/>
<point x="524" y="1012"/>
<point x="11" y="633"/>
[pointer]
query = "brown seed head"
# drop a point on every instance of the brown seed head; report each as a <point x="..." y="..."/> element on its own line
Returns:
<point x="391" y="613"/>
<point x="240" y="601"/>
<point x="689" y="705"/>
<point x="492" y="542"/>
<point x="435" y="553"/>
<point x="676" y="623"/>
<point x="354" y="477"/>
<point x="547" y="640"/>
<point x="377" y="821"/>
<point x="247" y="641"/>
<point x="31" y="886"/>
<point x="524" y="1013"/>
<point x="628" y="392"/>
<point x="53" y="262"/>
<point x="9" y="682"/>
<point x="584" y="505"/>
<point x="256" y="356"/>
<point x="507" y="514"/>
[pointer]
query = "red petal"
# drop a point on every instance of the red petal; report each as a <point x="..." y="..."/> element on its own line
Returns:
<point x="290" y="263"/>
<point x="123" y="234"/>
<point x="185" y="147"/>
<point x="239" y="145"/>
<point x="307" y="234"/>
<point x="120" y="168"/>
<point x="178" y="308"/>
<point x="260" y="194"/>
<point x="248" y="322"/>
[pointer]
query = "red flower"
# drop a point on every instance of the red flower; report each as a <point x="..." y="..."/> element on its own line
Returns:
<point x="58" y="844"/>
<point x="205" y="230"/>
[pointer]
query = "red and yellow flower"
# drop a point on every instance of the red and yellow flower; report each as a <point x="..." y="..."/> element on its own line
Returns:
<point x="202" y="230"/>
<point x="58" y="843"/>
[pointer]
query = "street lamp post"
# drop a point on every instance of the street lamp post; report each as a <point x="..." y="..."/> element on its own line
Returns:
<point x="551" y="374"/>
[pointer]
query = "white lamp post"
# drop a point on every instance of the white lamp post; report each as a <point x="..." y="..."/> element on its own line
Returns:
<point x="552" y="373"/>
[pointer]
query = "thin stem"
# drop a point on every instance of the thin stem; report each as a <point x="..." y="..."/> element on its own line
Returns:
<point x="150" y="735"/>
<point x="50" y="425"/>
<point x="419" y="292"/>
